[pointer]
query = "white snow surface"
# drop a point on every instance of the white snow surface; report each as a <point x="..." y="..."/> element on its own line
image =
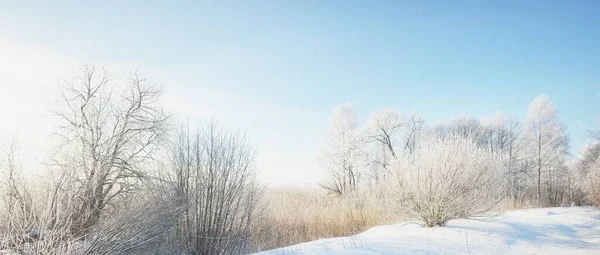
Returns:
<point x="569" y="230"/>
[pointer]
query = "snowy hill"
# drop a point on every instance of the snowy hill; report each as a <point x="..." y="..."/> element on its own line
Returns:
<point x="574" y="230"/>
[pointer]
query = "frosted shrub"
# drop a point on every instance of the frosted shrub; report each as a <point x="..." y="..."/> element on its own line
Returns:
<point x="591" y="183"/>
<point x="446" y="179"/>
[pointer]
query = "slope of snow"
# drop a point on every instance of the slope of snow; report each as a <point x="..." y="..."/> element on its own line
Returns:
<point x="573" y="230"/>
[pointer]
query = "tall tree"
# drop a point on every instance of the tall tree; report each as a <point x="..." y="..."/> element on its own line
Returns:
<point x="108" y="137"/>
<point x="340" y="156"/>
<point x="547" y="145"/>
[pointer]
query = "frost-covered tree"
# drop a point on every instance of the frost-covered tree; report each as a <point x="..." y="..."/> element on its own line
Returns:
<point x="388" y="133"/>
<point x="589" y="155"/>
<point x="415" y="124"/>
<point x="502" y="134"/>
<point x="494" y="133"/>
<point x="588" y="166"/>
<point x="465" y="127"/>
<point x="383" y="127"/>
<point x="340" y="157"/>
<point x="591" y="183"/>
<point x="546" y="147"/>
<point x="108" y="134"/>
<point x="448" y="178"/>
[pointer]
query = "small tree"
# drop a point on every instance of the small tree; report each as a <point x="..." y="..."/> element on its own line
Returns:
<point x="448" y="178"/>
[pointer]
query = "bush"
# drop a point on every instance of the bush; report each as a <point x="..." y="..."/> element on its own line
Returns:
<point x="215" y="177"/>
<point x="449" y="178"/>
<point x="592" y="182"/>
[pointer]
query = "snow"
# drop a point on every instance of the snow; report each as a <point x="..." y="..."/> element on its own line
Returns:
<point x="572" y="230"/>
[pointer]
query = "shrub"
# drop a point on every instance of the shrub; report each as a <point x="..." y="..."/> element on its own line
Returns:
<point x="591" y="182"/>
<point x="449" y="178"/>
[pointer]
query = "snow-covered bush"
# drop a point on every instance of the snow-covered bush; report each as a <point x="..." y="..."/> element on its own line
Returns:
<point x="591" y="182"/>
<point x="448" y="178"/>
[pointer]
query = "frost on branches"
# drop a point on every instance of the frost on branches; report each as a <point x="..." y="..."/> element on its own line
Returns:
<point x="448" y="178"/>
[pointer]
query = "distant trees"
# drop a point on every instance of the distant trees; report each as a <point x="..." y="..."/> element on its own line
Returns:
<point x="589" y="170"/>
<point x="513" y="160"/>
<point x="529" y="158"/>
<point x="588" y="167"/>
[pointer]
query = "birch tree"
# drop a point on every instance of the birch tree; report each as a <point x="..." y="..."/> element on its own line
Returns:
<point x="340" y="157"/>
<point x="547" y="145"/>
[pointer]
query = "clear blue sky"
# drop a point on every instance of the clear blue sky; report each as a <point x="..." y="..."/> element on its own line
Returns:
<point x="441" y="59"/>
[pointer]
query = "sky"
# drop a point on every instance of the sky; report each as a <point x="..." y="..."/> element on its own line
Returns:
<point x="277" y="69"/>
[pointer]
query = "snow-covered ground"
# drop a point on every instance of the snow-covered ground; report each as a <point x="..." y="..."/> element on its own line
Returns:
<point x="574" y="230"/>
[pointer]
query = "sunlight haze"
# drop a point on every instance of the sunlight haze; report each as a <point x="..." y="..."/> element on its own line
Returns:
<point x="277" y="70"/>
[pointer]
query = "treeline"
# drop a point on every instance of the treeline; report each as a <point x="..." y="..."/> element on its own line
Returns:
<point x="461" y="168"/>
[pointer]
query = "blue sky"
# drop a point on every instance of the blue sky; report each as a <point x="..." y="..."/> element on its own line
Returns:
<point x="276" y="69"/>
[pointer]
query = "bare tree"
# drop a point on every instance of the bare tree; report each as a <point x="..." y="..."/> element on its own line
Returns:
<point x="214" y="173"/>
<point x="516" y="167"/>
<point x="108" y="135"/>
<point x="383" y="126"/>
<point x="591" y="182"/>
<point x="547" y="146"/>
<point x="501" y="134"/>
<point x="415" y="124"/>
<point x="390" y="133"/>
<point x="465" y="127"/>
<point x="340" y="157"/>
<point x="588" y="167"/>
<point x="589" y="155"/>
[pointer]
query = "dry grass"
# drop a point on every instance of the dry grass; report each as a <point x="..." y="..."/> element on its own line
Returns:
<point x="300" y="215"/>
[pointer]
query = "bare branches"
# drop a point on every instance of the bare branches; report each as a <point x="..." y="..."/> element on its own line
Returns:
<point x="547" y="146"/>
<point x="113" y="135"/>
<point x="387" y="134"/>
<point x="340" y="157"/>
<point x="448" y="178"/>
<point x="143" y="226"/>
<point x="214" y="174"/>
